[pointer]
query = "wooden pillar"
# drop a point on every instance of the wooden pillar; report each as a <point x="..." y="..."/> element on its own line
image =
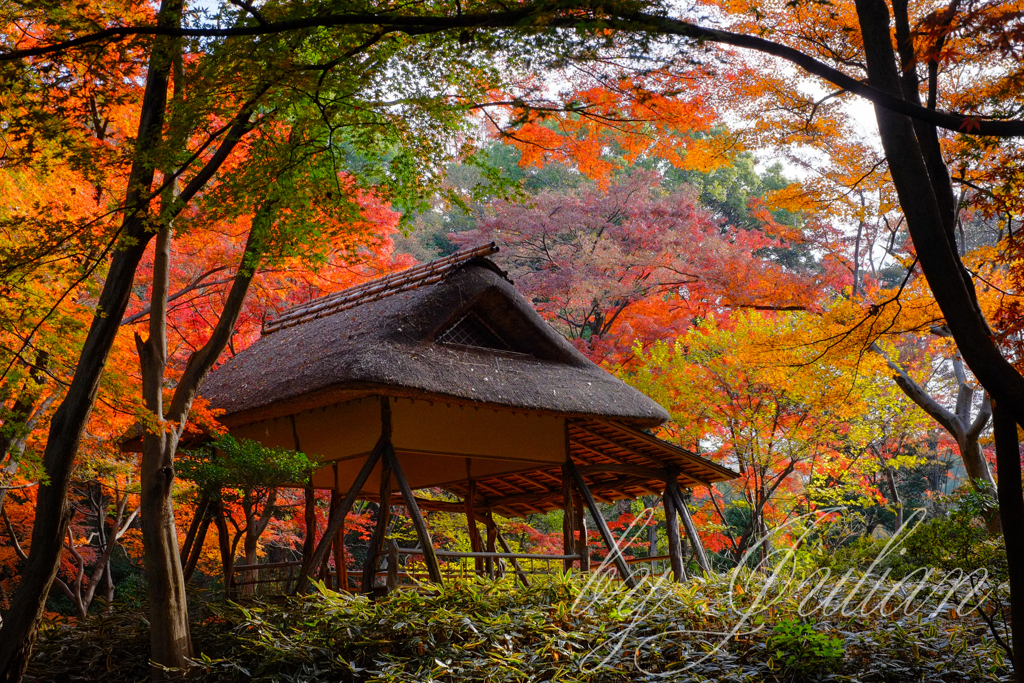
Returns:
<point x="422" y="532"/>
<point x="691" y="533"/>
<point x="309" y="516"/>
<point x="474" y="533"/>
<point x="602" y="526"/>
<point x="340" y="559"/>
<point x="675" y="549"/>
<point x="380" y="530"/>
<point x="583" y="542"/>
<point x="392" y="582"/>
<point x="515" y="563"/>
<point x="568" y="518"/>
<point x="492" y="531"/>
<point x="336" y="521"/>
<point x="339" y="538"/>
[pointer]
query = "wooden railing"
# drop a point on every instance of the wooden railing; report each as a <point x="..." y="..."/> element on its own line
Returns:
<point x="464" y="564"/>
<point x="403" y="568"/>
<point x="274" y="578"/>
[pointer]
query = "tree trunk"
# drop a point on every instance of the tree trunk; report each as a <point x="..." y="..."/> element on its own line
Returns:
<point x="227" y="558"/>
<point x="1011" y="503"/>
<point x="170" y="643"/>
<point x="53" y="514"/>
<point x="196" y="551"/>
<point x="922" y="185"/>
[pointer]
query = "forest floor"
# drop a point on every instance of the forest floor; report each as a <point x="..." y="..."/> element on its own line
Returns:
<point x="560" y="629"/>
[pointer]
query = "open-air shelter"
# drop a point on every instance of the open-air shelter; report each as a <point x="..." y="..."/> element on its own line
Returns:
<point x="443" y="376"/>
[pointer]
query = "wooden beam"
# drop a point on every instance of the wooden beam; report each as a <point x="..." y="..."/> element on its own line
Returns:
<point x="678" y="452"/>
<point x="422" y="532"/>
<point x="568" y="513"/>
<point x="428" y="504"/>
<point x="492" y="530"/>
<point x="691" y="533"/>
<point x="599" y="454"/>
<point x="647" y="473"/>
<point x="337" y="518"/>
<point x="651" y="460"/>
<point x="381" y="529"/>
<point x="504" y="546"/>
<point x="339" y="541"/>
<point x="583" y="543"/>
<point x="602" y="526"/>
<point x="392" y="580"/>
<point x="675" y="548"/>
<point x="309" y="516"/>
<point x="340" y="560"/>
<point x="524" y="499"/>
<point x="474" y="533"/>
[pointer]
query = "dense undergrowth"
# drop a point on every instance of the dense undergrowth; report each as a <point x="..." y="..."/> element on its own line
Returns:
<point x="558" y="630"/>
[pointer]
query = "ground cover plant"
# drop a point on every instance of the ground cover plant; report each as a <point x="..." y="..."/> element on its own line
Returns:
<point x="560" y="629"/>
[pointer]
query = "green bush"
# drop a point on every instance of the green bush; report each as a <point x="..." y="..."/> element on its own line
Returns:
<point x="559" y="629"/>
<point x="954" y="539"/>
<point x="797" y="648"/>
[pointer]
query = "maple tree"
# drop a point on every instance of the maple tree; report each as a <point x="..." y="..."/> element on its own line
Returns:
<point x="747" y="392"/>
<point x="189" y="133"/>
<point x="635" y="263"/>
<point x="975" y="40"/>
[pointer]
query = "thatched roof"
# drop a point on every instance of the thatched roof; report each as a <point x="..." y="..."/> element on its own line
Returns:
<point x="454" y="329"/>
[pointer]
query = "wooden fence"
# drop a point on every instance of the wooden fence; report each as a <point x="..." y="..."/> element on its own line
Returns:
<point x="404" y="567"/>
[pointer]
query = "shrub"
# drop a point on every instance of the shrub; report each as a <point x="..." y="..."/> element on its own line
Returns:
<point x="801" y="650"/>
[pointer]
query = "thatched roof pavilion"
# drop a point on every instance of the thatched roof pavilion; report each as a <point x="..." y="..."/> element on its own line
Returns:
<point x="469" y="387"/>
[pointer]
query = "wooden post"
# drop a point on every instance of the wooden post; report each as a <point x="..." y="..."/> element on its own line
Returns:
<point x="474" y="533"/>
<point x="339" y="539"/>
<point x="602" y="526"/>
<point x="340" y="559"/>
<point x="325" y="571"/>
<point x="392" y="582"/>
<point x="491" y="544"/>
<point x="309" y="515"/>
<point x="422" y="532"/>
<point x="381" y="529"/>
<point x="336" y="521"/>
<point x="568" y="518"/>
<point x="583" y="542"/>
<point x="675" y="550"/>
<point x="691" y="533"/>
<point x="515" y="563"/>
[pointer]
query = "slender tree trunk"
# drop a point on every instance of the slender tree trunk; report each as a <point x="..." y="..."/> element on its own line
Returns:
<point x="170" y="643"/>
<point x="923" y="186"/>
<point x="227" y="557"/>
<point x="194" y="528"/>
<point x="53" y="514"/>
<point x="309" y="515"/>
<point x="196" y="551"/>
<point x="27" y="409"/>
<point x="1011" y="503"/>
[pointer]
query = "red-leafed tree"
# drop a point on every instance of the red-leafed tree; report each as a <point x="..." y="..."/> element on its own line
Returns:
<point x="635" y="262"/>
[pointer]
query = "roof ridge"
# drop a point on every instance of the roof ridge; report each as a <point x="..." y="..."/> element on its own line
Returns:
<point x="422" y="274"/>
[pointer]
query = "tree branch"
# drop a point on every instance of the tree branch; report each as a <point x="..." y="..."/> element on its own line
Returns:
<point x="549" y="15"/>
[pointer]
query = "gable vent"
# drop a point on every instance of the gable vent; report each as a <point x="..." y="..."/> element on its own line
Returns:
<point x="471" y="331"/>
